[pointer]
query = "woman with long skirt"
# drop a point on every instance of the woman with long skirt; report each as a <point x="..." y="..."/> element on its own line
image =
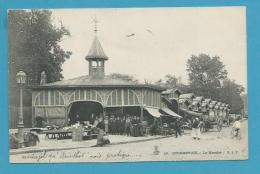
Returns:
<point x="195" y="133"/>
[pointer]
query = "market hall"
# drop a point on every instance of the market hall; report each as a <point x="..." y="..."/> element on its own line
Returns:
<point x="86" y="98"/>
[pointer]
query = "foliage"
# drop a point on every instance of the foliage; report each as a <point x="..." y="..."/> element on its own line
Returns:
<point x="208" y="78"/>
<point x="34" y="45"/>
<point x="123" y="77"/>
<point x="231" y="93"/>
<point x="33" y="48"/>
<point x="205" y="74"/>
<point x="169" y="81"/>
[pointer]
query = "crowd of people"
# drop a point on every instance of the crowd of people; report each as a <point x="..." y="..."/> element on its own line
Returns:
<point x="200" y="125"/>
<point x="128" y="125"/>
<point x="133" y="126"/>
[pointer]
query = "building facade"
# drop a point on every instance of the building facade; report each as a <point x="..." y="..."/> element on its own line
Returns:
<point x="93" y="94"/>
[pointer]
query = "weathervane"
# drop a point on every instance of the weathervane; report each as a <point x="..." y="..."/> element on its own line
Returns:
<point x="95" y="24"/>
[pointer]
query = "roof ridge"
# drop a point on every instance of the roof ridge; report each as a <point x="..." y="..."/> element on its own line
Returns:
<point x="74" y="78"/>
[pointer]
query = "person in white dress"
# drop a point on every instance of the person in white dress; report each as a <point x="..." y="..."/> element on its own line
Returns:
<point x="236" y="127"/>
<point x="195" y="133"/>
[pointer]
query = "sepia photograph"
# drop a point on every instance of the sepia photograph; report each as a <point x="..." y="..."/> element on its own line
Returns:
<point x="127" y="84"/>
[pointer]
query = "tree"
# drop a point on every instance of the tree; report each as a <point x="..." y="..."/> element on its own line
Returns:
<point x="231" y="93"/>
<point x="124" y="77"/>
<point x="33" y="48"/>
<point x="169" y="81"/>
<point x="34" y="45"/>
<point x="208" y="78"/>
<point x="159" y="82"/>
<point x="245" y="107"/>
<point x="205" y="74"/>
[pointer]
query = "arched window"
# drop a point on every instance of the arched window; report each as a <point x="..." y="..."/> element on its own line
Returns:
<point x="112" y="99"/>
<point x="84" y="95"/>
<point x="122" y="97"/>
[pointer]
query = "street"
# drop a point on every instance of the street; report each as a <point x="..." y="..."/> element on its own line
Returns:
<point x="212" y="146"/>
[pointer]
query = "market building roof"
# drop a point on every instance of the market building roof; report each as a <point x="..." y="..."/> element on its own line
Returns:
<point x="88" y="81"/>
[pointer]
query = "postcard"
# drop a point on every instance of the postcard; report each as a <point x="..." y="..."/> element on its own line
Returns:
<point x="127" y="84"/>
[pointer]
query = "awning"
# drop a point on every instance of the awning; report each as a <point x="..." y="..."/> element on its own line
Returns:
<point x="166" y="101"/>
<point x="154" y="112"/>
<point x="170" y="104"/>
<point x="196" y="114"/>
<point x="170" y="112"/>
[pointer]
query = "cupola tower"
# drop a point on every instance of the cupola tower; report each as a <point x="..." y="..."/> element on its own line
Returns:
<point x="96" y="57"/>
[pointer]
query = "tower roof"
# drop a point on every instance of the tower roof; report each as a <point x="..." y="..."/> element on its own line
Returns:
<point x="96" y="51"/>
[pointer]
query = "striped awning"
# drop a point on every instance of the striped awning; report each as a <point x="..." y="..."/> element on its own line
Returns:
<point x="153" y="112"/>
<point x="169" y="112"/>
<point x="196" y="114"/>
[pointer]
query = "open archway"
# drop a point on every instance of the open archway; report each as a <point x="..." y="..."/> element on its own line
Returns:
<point x="84" y="111"/>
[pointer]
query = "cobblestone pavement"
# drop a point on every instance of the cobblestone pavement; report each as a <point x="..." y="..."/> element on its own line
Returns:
<point x="212" y="146"/>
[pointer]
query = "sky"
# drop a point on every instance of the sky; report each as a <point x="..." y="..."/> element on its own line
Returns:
<point x="165" y="38"/>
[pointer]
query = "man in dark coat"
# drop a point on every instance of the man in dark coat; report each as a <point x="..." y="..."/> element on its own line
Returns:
<point x="177" y="127"/>
<point x="127" y="125"/>
<point x="101" y="125"/>
<point x="117" y="126"/>
<point x="135" y="126"/>
<point x="100" y="139"/>
<point x="113" y="125"/>
<point x="122" y="126"/>
<point x="110" y="125"/>
<point x="154" y="127"/>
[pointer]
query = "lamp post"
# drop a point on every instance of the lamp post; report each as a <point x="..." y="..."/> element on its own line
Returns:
<point x="21" y="80"/>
